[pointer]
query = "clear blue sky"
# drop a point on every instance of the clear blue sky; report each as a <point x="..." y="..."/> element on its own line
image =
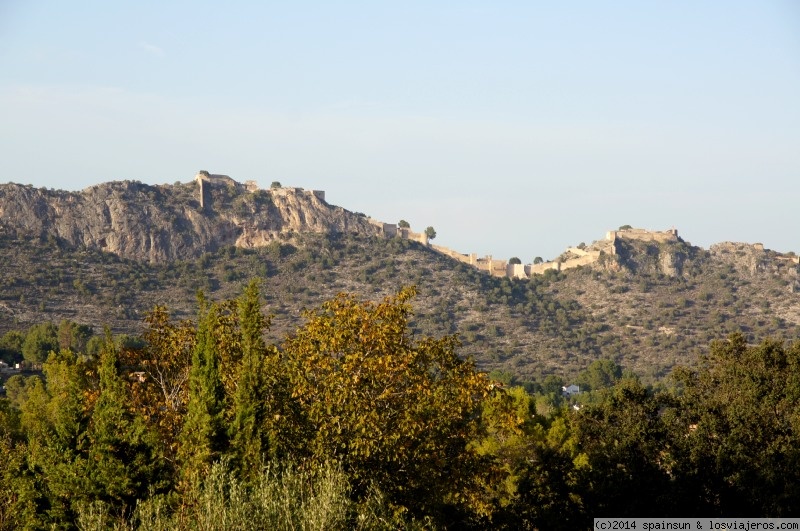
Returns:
<point x="514" y="128"/>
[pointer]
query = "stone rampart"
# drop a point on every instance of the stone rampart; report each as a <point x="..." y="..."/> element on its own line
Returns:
<point x="466" y="259"/>
<point x="499" y="268"/>
<point x="577" y="251"/>
<point x="645" y="235"/>
<point x="408" y="234"/>
<point x="388" y="230"/>
<point x="572" y="258"/>
<point x="586" y="259"/>
<point x="484" y="264"/>
<point x="207" y="181"/>
<point x="539" y="269"/>
<point x="518" y="271"/>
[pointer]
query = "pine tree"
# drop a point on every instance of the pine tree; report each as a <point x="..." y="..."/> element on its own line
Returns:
<point x="55" y="421"/>
<point x="122" y="453"/>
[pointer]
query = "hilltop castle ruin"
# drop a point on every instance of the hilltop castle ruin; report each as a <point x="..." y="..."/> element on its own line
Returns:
<point x="206" y="182"/>
<point x="571" y="258"/>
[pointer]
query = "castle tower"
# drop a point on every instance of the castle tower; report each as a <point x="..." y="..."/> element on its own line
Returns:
<point x="204" y="188"/>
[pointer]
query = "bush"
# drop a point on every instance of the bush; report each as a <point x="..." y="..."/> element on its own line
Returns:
<point x="283" y="498"/>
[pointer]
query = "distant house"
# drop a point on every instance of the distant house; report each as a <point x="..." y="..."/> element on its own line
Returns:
<point x="569" y="390"/>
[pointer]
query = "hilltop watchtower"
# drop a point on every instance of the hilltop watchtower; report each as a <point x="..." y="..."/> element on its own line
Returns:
<point x="204" y="190"/>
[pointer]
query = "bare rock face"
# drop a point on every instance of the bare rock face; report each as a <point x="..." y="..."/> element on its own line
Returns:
<point x="655" y="257"/>
<point x="749" y="257"/>
<point x="670" y="264"/>
<point x="167" y="222"/>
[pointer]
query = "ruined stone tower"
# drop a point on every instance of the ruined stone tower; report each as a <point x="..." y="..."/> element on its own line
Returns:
<point x="204" y="188"/>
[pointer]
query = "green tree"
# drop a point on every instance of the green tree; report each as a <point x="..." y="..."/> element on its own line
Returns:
<point x="202" y="438"/>
<point x="275" y="184"/>
<point x="514" y="260"/>
<point x="545" y="475"/>
<point x="19" y="491"/>
<point x="599" y="374"/>
<point x="404" y="224"/>
<point x="249" y="441"/>
<point x="538" y="260"/>
<point x="11" y="346"/>
<point x="622" y="443"/>
<point x="430" y="233"/>
<point x="552" y="384"/>
<point x="54" y="417"/>
<point x="737" y="431"/>
<point x="40" y="340"/>
<point x="122" y="457"/>
<point x="72" y="336"/>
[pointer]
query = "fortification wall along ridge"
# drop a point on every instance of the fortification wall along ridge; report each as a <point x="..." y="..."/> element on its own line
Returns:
<point x="573" y="256"/>
<point x="207" y="181"/>
<point x="391" y="230"/>
<point x="644" y="235"/>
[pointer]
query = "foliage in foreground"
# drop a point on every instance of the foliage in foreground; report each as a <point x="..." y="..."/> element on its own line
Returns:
<point x="352" y="422"/>
<point x="287" y="499"/>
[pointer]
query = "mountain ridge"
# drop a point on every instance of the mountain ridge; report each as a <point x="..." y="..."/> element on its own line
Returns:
<point x="649" y="305"/>
<point x="157" y="223"/>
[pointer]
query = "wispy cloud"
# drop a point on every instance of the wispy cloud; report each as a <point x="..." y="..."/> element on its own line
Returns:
<point x="151" y="48"/>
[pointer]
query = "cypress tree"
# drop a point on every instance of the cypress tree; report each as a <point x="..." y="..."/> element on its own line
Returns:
<point x="202" y="438"/>
<point x="247" y="430"/>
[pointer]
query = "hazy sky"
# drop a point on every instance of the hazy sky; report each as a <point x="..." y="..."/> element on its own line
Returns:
<point x="514" y="128"/>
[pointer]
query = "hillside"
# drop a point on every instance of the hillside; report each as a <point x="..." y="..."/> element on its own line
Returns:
<point x="158" y="224"/>
<point x="649" y="306"/>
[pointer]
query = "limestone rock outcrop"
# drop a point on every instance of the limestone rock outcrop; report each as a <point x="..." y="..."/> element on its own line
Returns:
<point x="167" y="222"/>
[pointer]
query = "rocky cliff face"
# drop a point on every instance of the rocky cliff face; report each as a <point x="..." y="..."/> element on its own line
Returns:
<point x="667" y="258"/>
<point x="161" y="223"/>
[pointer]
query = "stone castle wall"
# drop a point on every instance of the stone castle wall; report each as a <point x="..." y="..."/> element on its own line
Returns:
<point x="518" y="271"/>
<point x="572" y="258"/>
<point x="644" y="235"/>
<point x="207" y="181"/>
<point x="408" y="234"/>
<point x="464" y="258"/>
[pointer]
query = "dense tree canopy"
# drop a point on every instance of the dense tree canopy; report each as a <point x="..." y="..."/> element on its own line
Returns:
<point x="353" y="421"/>
<point x="387" y="407"/>
<point x="739" y="449"/>
<point x="39" y="342"/>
